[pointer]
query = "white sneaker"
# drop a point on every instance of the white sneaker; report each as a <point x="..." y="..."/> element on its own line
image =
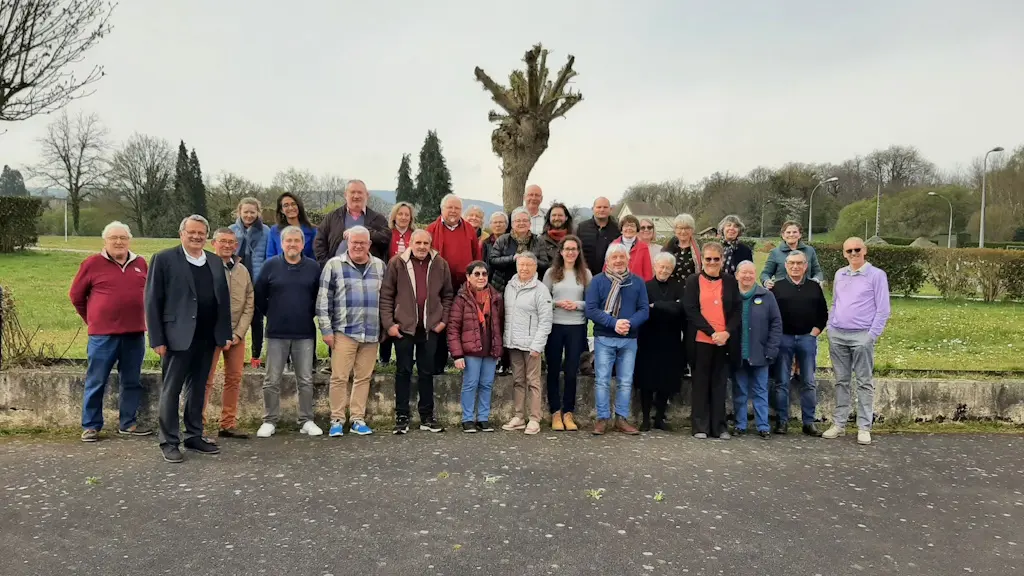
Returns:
<point x="864" y="437"/>
<point x="834" y="432"/>
<point x="516" y="423"/>
<point x="266" y="430"/>
<point x="533" y="427"/>
<point x="310" y="429"/>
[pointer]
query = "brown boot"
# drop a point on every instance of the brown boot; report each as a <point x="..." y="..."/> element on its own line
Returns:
<point x="570" y="424"/>
<point x="556" y="421"/>
<point x="599" y="427"/>
<point x="625" y="427"/>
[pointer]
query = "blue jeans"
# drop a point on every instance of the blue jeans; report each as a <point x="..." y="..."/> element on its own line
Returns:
<point x="620" y="352"/>
<point x="127" y="351"/>
<point x="750" y="381"/>
<point x="805" y="348"/>
<point x="572" y="338"/>
<point x="477" y="381"/>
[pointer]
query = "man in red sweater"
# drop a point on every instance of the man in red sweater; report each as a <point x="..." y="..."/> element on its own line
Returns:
<point x="455" y="240"/>
<point x="108" y="293"/>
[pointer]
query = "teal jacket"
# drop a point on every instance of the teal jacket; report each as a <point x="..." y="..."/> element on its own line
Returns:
<point x="775" y="267"/>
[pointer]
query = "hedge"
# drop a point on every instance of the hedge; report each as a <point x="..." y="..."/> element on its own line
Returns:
<point x="19" y="217"/>
<point x="905" y="266"/>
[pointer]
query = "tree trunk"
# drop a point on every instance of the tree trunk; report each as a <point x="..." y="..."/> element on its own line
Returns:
<point x="516" y="168"/>
<point x="76" y="205"/>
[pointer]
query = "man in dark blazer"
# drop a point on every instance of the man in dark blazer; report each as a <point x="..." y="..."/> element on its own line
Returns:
<point x="188" y="314"/>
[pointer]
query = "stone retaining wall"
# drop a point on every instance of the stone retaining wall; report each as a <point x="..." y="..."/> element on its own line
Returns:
<point x="54" y="398"/>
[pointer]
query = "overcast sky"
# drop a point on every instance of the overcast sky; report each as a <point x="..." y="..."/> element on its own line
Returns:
<point x="671" y="88"/>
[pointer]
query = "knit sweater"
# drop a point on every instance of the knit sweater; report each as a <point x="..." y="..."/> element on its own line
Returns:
<point x="458" y="247"/>
<point x="567" y="289"/>
<point x="285" y="293"/>
<point x="109" y="296"/>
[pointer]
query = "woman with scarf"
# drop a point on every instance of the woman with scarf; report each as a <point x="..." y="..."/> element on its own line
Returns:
<point x="475" y="331"/>
<point x="754" y="351"/>
<point x="660" y="356"/>
<point x="567" y="280"/>
<point x="253" y="236"/>
<point x="714" y="317"/>
<point x="639" y="253"/>
<point x="291" y="212"/>
<point x="729" y="230"/>
<point x="557" y="225"/>
<point x="507" y="249"/>
<point x="683" y="245"/>
<point x="499" y="226"/>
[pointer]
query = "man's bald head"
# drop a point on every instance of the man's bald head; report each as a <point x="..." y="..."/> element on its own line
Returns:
<point x="532" y="199"/>
<point x="601" y="208"/>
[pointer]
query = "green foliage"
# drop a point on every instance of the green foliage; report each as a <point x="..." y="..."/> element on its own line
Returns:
<point x="433" y="181"/>
<point x="11" y="183"/>
<point x="19" y="218"/>
<point x="406" y="190"/>
<point x="92" y="219"/>
<point x="1018" y="234"/>
<point x="316" y="216"/>
<point x="909" y="214"/>
<point x="197" y="189"/>
<point x="950" y="274"/>
<point x="905" y="267"/>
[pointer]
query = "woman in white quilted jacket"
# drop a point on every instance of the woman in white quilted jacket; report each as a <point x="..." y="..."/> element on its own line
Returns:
<point x="528" y="314"/>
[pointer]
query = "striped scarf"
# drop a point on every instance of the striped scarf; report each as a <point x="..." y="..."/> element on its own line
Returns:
<point x="614" y="299"/>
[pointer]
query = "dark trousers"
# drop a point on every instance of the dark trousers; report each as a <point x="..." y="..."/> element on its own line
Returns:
<point x="424" y="348"/>
<point x="188" y="369"/>
<point x="387" y="344"/>
<point x="257" y="333"/>
<point x="655" y="393"/>
<point x="565" y="342"/>
<point x="440" y="355"/>
<point x="709" y="385"/>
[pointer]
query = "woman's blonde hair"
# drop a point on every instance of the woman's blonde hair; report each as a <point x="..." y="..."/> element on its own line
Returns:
<point x="394" y="212"/>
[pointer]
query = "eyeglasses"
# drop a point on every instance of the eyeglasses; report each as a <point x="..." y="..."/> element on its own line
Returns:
<point x="479" y="274"/>
<point x="289" y="205"/>
<point x="853" y="250"/>
<point x="117" y="238"/>
<point x="712" y="259"/>
<point x="647" y="227"/>
<point x="569" y="249"/>
<point x="796" y="263"/>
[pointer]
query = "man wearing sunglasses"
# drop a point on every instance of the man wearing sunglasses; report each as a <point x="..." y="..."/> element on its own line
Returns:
<point x="860" y="309"/>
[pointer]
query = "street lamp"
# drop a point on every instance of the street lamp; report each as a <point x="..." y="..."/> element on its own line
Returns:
<point x="949" y="236"/>
<point x="763" y="206"/>
<point x="810" y="206"/>
<point x="984" y="171"/>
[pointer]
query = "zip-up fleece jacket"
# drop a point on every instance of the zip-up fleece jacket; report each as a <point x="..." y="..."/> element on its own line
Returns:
<point x="398" y="294"/>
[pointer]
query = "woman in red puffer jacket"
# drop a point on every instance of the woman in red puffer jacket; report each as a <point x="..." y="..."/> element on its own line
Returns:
<point x="474" y="339"/>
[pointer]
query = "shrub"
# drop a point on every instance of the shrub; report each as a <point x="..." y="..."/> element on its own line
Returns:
<point x="19" y="217"/>
<point x="315" y="217"/>
<point x="995" y="273"/>
<point x="950" y="273"/>
<point x="905" y="267"/>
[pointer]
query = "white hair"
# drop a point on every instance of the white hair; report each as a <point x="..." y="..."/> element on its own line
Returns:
<point x="528" y="256"/>
<point x="615" y="249"/>
<point x="520" y="210"/>
<point x="354" y="181"/>
<point x="447" y="197"/>
<point x="194" y="218"/>
<point x="115" y="225"/>
<point x="666" y="256"/>
<point x="501" y="215"/>
<point x="421" y="232"/>
<point x="745" y="263"/>
<point x="357" y="231"/>
<point x="684" y="221"/>
<point x="475" y="208"/>
<point x="797" y="254"/>
<point x="293" y="230"/>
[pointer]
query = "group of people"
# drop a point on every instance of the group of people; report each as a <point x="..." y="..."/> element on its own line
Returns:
<point x="526" y="292"/>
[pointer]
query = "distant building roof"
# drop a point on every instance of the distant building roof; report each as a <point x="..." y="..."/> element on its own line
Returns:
<point x="638" y="209"/>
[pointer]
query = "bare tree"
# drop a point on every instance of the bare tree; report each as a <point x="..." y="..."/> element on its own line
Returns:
<point x="40" y="40"/>
<point x="73" y="158"/>
<point x="141" y="174"/>
<point x="900" y="167"/>
<point x="302" y="183"/>
<point x="330" y="190"/>
<point x="529" y="103"/>
<point x="224" y="195"/>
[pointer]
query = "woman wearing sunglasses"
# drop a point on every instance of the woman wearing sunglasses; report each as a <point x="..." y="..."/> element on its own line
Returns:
<point x="475" y="326"/>
<point x="714" y="311"/>
<point x="647" y="234"/>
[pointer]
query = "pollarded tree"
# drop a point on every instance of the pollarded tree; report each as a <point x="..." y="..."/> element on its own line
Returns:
<point x="529" y="104"/>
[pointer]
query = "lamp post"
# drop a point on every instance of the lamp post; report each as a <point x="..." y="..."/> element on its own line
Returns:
<point x="984" y="171"/>
<point x="810" y="206"/>
<point x="763" y="206"/>
<point x="949" y="235"/>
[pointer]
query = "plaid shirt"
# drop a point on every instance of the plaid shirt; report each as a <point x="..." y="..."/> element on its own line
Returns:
<point x="349" y="300"/>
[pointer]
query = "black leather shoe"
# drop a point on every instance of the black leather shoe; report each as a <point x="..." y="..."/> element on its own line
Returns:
<point x="764" y="434"/>
<point x="172" y="454"/>
<point x="812" y="430"/>
<point x="662" y="425"/>
<point x="201" y="446"/>
<point x="645" y="425"/>
<point x="781" y="429"/>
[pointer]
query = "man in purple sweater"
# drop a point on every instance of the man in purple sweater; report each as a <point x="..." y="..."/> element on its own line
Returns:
<point x="860" y="309"/>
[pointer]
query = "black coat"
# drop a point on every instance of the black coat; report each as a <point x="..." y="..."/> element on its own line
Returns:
<point x="502" y="259"/>
<point x="596" y="241"/>
<point x="739" y="253"/>
<point x="171" y="300"/>
<point x="732" y="303"/>
<point x="660" y="353"/>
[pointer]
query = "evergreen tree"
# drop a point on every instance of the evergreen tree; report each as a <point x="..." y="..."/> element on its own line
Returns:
<point x="11" y="183"/>
<point x="406" y="191"/>
<point x="180" y="203"/>
<point x="197" y="189"/>
<point x="433" y="181"/>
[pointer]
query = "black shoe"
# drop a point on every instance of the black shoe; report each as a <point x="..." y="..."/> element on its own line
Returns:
<point x="470" y="427"/>
<point x="135" y="431"/>
<point x="645" y="425"/>
<point x="201" y="446"/>
<point x="812" y="430"/>
<point x="662" y="425"/>
<point x="737" y="432"/>
<point x="484" y="426"/>
<point x="781" y="429"/>
<point x="233" y="433"/>
<point x="431" y="425"/>
<point x="764" y="434"/>
<point x="401" y="425"/>
<point x="172" y="454"/>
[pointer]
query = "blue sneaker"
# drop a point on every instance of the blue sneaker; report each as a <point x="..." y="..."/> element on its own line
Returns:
<point x="360" y="427"/>
<point x="337" y="428"/>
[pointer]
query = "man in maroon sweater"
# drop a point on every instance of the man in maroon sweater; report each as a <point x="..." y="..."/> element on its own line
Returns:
<point x="108" y="294"/>
<point x="455" y="240"/>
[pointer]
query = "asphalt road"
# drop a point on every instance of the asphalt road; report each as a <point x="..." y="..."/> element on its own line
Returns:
<point x="510" y="504"/>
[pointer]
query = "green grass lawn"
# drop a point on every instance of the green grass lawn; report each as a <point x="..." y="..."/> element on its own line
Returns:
<point x="922" y="334"/>
<point x="142" y="246"/>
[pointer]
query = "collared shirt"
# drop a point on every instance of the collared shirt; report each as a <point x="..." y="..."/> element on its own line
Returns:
<point x="860" y="300"/>
<point x="201" y="261"/>
<point x="537" y="222"/>
<point x="449" y="226"/>
<point x="348" y="301"/>
<point x="350" y="222"/>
